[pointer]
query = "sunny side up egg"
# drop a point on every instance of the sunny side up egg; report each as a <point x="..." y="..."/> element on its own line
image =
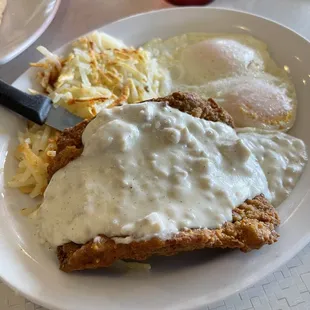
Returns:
<point x="235" y="70"/>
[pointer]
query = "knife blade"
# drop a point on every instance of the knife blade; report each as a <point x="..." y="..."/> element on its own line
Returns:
<point x="60" y="118"/>
<point x="36" y="108"/>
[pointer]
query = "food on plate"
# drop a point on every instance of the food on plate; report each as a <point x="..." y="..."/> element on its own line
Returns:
<point x="281" y="156"/>
<point x="99" y="72"/>
<point x="158" y="177"/>
<point x="236" y="70"/>
<point x="143" y="176"/>
<point x="252" y="226"/>
<point x="3" y="4"/>
<point x="260" y="101"/>
<point x="37" y="146"/>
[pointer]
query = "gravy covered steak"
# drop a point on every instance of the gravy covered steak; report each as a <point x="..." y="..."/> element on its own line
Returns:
<point x="155" y="178"/>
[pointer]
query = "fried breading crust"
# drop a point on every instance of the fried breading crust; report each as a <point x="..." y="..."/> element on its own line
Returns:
<point x="69" y="147"/>
<point x="197" y="107"/>
<point x="253" y="224"/>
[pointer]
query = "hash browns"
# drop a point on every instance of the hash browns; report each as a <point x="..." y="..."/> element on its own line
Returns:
<point x="253" y="224"/>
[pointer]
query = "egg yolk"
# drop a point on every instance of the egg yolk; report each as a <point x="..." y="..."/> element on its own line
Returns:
<point x="218" y="58"/>
<point x="258" y="103"/>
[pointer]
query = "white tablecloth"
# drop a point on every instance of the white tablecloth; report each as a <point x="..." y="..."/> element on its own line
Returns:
<point x="288" y="287"/>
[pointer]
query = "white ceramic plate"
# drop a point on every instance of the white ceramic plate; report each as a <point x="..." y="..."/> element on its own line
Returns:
<point x="23" y="22"/>
<point x="185" y="281"/>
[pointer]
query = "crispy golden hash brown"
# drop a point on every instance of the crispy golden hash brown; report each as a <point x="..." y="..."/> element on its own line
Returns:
<point x="253" y="224"/>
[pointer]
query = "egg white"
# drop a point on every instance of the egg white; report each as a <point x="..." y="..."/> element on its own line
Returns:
<point x="236" y="70"/>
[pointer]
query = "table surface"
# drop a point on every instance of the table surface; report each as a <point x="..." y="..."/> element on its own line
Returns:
<point x="286" y="288"/>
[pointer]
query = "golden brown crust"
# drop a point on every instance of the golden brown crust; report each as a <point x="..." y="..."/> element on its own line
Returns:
<point x="197" y="107"/>
<point x="72" y="136"/>
<point x="253" y="226"/>
<point x="253" y="223"/>
<point x="69" y="147"/>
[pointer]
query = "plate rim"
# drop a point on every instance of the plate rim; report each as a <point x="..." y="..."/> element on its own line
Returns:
<point x="193" y="303"/>
<point x="5" y="58"/>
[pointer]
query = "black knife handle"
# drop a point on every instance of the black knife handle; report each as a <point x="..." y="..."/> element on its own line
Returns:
<point x="32" y="107"/>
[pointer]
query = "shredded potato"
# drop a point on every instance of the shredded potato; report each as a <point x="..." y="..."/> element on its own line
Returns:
<point x="33" y="154"/>
<point x="99" y="72"/>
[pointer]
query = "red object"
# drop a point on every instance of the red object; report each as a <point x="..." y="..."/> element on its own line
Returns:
<point x="189" y="2"/>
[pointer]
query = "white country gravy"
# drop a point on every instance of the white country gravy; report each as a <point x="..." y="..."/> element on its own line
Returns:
<point x="149" y="170"/>
<point x="281" y="156"/>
